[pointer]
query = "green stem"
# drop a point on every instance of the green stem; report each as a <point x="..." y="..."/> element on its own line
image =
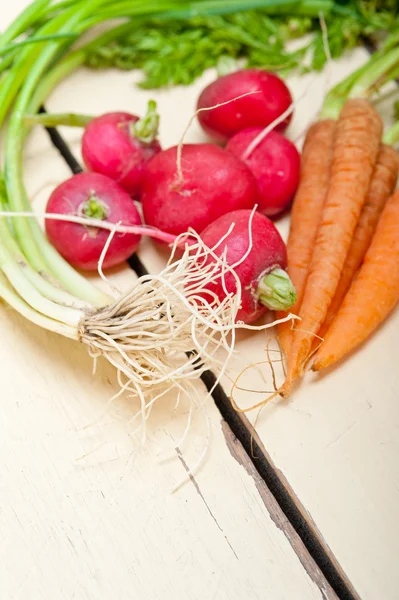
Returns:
<point x="22" y="59"/>
<point x="37" y="247"/>
<point x="61" y="70"/>
<point x="56" y="119"/>
<point x="146" y="129"/>
<point x="22" y="65"/>
<point x="70" y="63"/>
<point x="15" y="275"/>
<point x="45" y="287"/>
<point x="174" y="10"/>
<point x="376" y="75"/>
<point x="36" y="40"/>
<point x="335" y="99"/>
<point x="7" y="61"/>
<point x="391" y="135"/>
<point x="30" y="15"/>
<point x="13" y="299"/>
<point x="94" y="208"/>
<point x="364" y="82"/>
<point x="276" y="291"/>
<point x="226" y="65"/>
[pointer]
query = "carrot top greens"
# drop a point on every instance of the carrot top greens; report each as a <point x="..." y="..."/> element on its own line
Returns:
<point x="177" y="51"/>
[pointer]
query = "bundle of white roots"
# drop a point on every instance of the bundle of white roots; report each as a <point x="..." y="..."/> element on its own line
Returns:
<point x="170" y="327"/>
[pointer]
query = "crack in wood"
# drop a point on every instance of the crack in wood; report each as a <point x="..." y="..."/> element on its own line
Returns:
<point x="198" y="490"/>
<point x="341" y="435"/>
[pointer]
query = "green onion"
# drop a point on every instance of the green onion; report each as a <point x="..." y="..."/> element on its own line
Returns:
<point x="391" y="136"/>
<point x="54" y="119"/>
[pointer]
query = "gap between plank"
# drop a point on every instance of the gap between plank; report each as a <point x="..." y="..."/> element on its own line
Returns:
<point x="256" y="453"/>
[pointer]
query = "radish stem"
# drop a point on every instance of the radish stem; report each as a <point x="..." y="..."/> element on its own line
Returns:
<point x="146" y="129"/>
<point x="276" y="291"/>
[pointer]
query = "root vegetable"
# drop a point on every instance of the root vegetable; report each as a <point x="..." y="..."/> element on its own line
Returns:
<point x="256" y="252"/>
<point x="119" y="144"/>
<point x="255" y="110"/>
<point x="356" y="146"/>
<point x="372" y="296"/>
<point x="92" y="195"/>
<point x="382" y="186"/>
<point x="306" y="213"/>
<point x="275" y="164"/>
<point x="213" y="182"/>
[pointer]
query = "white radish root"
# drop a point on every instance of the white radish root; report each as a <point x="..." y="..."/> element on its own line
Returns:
<point x="169" y="328"/>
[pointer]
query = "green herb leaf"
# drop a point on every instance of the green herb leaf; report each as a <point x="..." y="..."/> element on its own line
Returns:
<point x="172" y="52"/>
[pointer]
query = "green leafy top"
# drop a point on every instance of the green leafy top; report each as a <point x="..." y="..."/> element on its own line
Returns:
<point x="172" y="52"/>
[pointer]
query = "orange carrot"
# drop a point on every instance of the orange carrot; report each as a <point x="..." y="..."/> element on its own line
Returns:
<point x="356" y="146"/>
<point x="372" y="296"/>
<point x="306" y="213"/>
<point x="382" y="185"/>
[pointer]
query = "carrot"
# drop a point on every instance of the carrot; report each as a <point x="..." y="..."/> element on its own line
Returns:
<point x="372" y="296"/>
<point x="306" y="213"/>
<point x="382" y="186"/>
<point x="356" y="146"/>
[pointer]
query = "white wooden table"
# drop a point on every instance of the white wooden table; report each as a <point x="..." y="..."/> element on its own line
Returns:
<point x="86" y="512"/>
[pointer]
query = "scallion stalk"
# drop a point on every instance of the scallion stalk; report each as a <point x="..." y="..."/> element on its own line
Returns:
<point x="391" y="136"/>
<point x="13" y="299"/>
<point x="28" y="17"/>
<point x="38" y="251"/>
<point x="56" y="119"/>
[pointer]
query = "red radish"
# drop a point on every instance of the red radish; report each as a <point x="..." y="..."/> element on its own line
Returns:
<point x="94" y="196"/>
<point x="213" y="182"/>
<point x="119" y="145"/>
<point x="275" y="164"/>
<point x="254" y="110"/>
<point x="264" y="282"/>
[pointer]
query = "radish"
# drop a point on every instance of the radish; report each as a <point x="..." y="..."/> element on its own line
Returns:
<point x="253" y="110"/>
<point x="260" y="268"/>
<point x="275" y="164"/>
<point x="210" y="183"/>
<point x="119" y="144"/>
<point x="95" y="196"/>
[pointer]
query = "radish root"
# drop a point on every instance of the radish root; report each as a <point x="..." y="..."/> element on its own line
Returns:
<point x="169" y="328"/>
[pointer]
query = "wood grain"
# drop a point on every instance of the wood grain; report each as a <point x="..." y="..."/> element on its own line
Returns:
<point x="86" y="512"/>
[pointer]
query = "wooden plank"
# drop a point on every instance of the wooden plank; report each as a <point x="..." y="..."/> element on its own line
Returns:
<point x="86" y="510"/>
